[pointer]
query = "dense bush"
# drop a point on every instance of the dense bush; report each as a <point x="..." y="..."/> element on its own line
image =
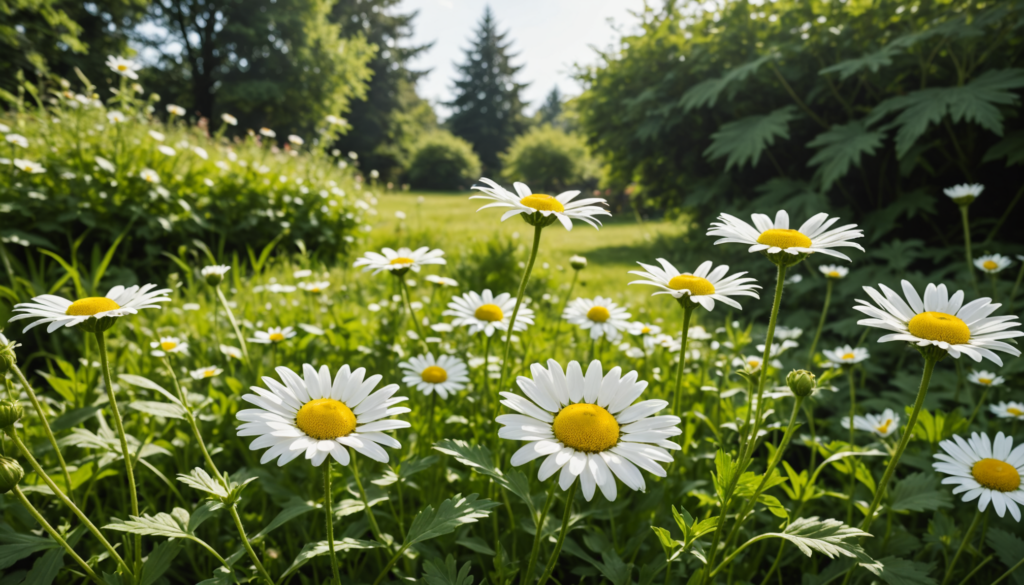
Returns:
<point x="111" y="173"/>
<point x="443" y="161"/>
<point x="549" y="158"/>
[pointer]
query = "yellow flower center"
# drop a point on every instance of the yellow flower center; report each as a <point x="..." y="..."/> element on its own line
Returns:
<point x="122" y="67"/>
<point x="645" y="330"/>
<point x="489" y="312"/>
<point x="695" y="284"/>
<point x="996" y="475"/>
<point x="434" y="375"/>
<point x="1015" y="411"/>
<point x="985" y="381"/>
<point x="753" y="363"/>
<point x="402" y="261"/>
<point x="90" y="306"/>
<point x="885" y="427"/>
<point x="586" y="427"/>
<point x="542" y="203"/>
<point x="314" y="289"/>
<point x="325" y="418"/>
<point x="209" y="373"/>
<point x="937" y="326"/>
<point x="834" y="274"/>
<point x="784" y="239"/>
<point x="168" y="345"/>
<point x="989" y="265"/>
<point x="275" y="337"/>
<point x="848" y="356"/>
<point x="599" y="314"/>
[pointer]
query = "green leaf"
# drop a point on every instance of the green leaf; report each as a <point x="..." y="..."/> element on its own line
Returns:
<point x="158" y="561"/>
<point x="668" y="544"/>
<point x="706" y="92"/>
<point x="293" y="509"/>
<point x="475" y="544"/>
<point x="447" y="518"/>
<point x="742" y="141"/>
<point x="73" y="418"/>
<point x="15" y="546"/>
<point x="315" y="549"/>
<point x="872" y="62"/>
<point x="158" y="409"/>
<point x="479" y="459"/>
<point x="919" y="492"/>
<point x="903" y="572"/>
<point x="829" y="537"/>
<point x="173" y="525"/>
<point x="725" y="470"/>
<point x="842" y="146"/>
<point x="1011" y="148"/>
<point x="1009" y="549"/>
<point x="149" y="385"/>
<point x="202" y="481"/>
<point x="46" y="567"/>
<point x="437" y="572"/>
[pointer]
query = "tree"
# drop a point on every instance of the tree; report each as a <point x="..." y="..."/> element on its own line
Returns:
<point x="279" y="64"/>
<point x="386" y="125"/>
<point x="549" y="158"/>
<point x="487" y="109"/>
<point x="551" y="110"/>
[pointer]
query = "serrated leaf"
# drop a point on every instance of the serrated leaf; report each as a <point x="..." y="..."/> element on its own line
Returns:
<point x="202" y="481"/>
<point x="158" y="409"/>
<point x="1011" y="148"/>
<point x="840" y="147"/>
<point x="1009" y="549"/>
<point x="315" y="549"/>
<point x="919" y="492"/>
<point x="15" y="546"/>
<point x="706" y="92"/>
<point x="450" y="514"/>
<point x="162" y="524"/>
<point x="158" y="561"/>
<point x="438" y="572"/>
<point x="475" y="544"/>
<point x="294" y="508"/>
<point x="897" y="571"/>
<point x="829" y="537"/>
<point x="872" y="62"/>
<point x="481" y="460"/>
<point x="742" y="141"/>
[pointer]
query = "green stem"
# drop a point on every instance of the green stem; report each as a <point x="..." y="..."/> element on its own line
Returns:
<point x="1016" y="285"/>
<point x="688" y="306"/>
<point x="967" y="247"/>
<point x="193" y="424"/>
<point x="67" y="502"/>
<point x="234" y="325"/>
<point x="539" y="523"/>
<point x="977" y="568"/>
<point x="977" y="407"/>
<point x="561" y="534"/>
<point x="561" y="311"/>
<point x="54" y="534"/>
<point x="821" y="320"/>
<point x="46" y="428"/>
<point x="519" y="302"/>
<point x="248" y="546"/>
<point x="366" y="502"/>
<point x="963" y="545"/>
<point x="132" y="492"/>
<point x="412" y="315"/>
<point x="1007" y="573"/>
<point x="853" y="400"/>
<point x="329" y="513"/>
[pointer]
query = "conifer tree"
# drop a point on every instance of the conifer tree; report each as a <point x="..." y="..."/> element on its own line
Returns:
<point x="487" y="110"/>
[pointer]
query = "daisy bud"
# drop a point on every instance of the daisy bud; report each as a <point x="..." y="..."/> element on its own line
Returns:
<point x="7" y="356"/>
<point x="10" y="413"/>
<point x="11" y="474"/>
<point x="578" y="262"/>
<point x="801" y="382"/>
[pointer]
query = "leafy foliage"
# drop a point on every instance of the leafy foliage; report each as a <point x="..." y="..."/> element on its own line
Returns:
<point x="548" y="158"/>
<point x="443" y="161"/>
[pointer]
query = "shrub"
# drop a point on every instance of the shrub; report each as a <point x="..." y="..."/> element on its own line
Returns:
<point x="113" y="170"/>
<point x="549" y="158"/>
<point x="443" y="161"/>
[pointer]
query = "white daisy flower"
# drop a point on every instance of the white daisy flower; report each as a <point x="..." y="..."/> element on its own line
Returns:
<point x="846" y="355"/>
<point x="778" y="347"/>
<point x="599" y="315"/>
<point x="834" y="271"/>
<point x="335" y="120"/>
<point x="1014" y="410"/>
<point x="273" y="335"/>
<point x="993" y="263"/>
<point x="985" y="378"/>
<point x="201" y="153"/>
<point x="149" y="176"/>
<point x="539" y="209"/>
<point x="207" y="372"/>
<point x="445" y="375"/>
<point x="400" y="261"/>
<point x="964" y="193"/>
<point x="780" y="242"/>
<point x="782" y="332"/>
<point x="27" y="166"/>
<point x="123" y="67"/>
<point x="985" y="470"/>
<point x="704" y="286"/>
<point x="314" y="287"/>
<point x="105" y="164"/>
<point x="115" y="117"/>
<point x="166" y="150"/>
<point x="882" y="425"/>
<point x="229" y="119"/>
<point x="647" y="332"/>
<point x="304" y="273"/>
<point x="486" y="312"/>
<point x="296" y="140"/>
<point x="231" y="352"/>
<point x="588" y="426"/>
<point x="268" y="132"/>
<point x="118" y="302"/>
<point x="175" y="110"/>
<point x="158" y="136"/>
<point x="168" y="345"/>
<point x="577" y="262"/>
<point x="441" y="281"/>
<point x="214" y="274"/>
<point x="941" y="320"/>
<point x="17" y="140"/>
<point x="314" y="416"/>
<point x="750" y="363"/>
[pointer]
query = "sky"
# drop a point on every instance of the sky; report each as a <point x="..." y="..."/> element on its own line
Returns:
<point x="548" y="35"/>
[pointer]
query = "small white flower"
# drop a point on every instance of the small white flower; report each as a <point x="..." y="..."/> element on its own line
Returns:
<point x="27" y="166"/>
<point x="149" y="176"/>
<point x="273" y="335"/>
<point x="314" y="287"/>
<point x="834" y="271"/>
<point x="115" y="117"/>
<point x="882" y="425"/>
<point x="168" y="345"/>
<point x="441" y="280"/>
<point x="993" y="263"/>
<point x="846" y="355"/>
<point x="268" y="132"/>
<point x="166" y="150"/>
<point x="783" y="244"/>
<point x="540" y="209"/>
<point x="1014" y="410"/>
<point x="105" y="164"/>
<point x="600" y="315"/>
<point x="964" y="193"/>
<point x="123" y="67"/>
<point x="200" y="152"/>
<point x="17" y="140"/>
<point x="229" y="119"/>
<point x="296" y="140"/>
<point x="704" y="286"/>
<point x="985" y="378"/>
<point x="231" y="352"/>
<point x="984" y="470"/>
<point x="119" y="301"/>
<point x="158" y="136"/>
<point x="445" y="375"/>
<point x="401" y="260"/>
<point x="175" y="110"/>
<point x="487" y="312"/>
<point x="207" y="372"/>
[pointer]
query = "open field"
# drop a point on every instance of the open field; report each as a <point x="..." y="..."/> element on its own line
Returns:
<point x="611" y="251"/>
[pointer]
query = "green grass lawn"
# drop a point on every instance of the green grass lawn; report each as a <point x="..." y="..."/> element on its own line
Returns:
<point x="611" y="251"/>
